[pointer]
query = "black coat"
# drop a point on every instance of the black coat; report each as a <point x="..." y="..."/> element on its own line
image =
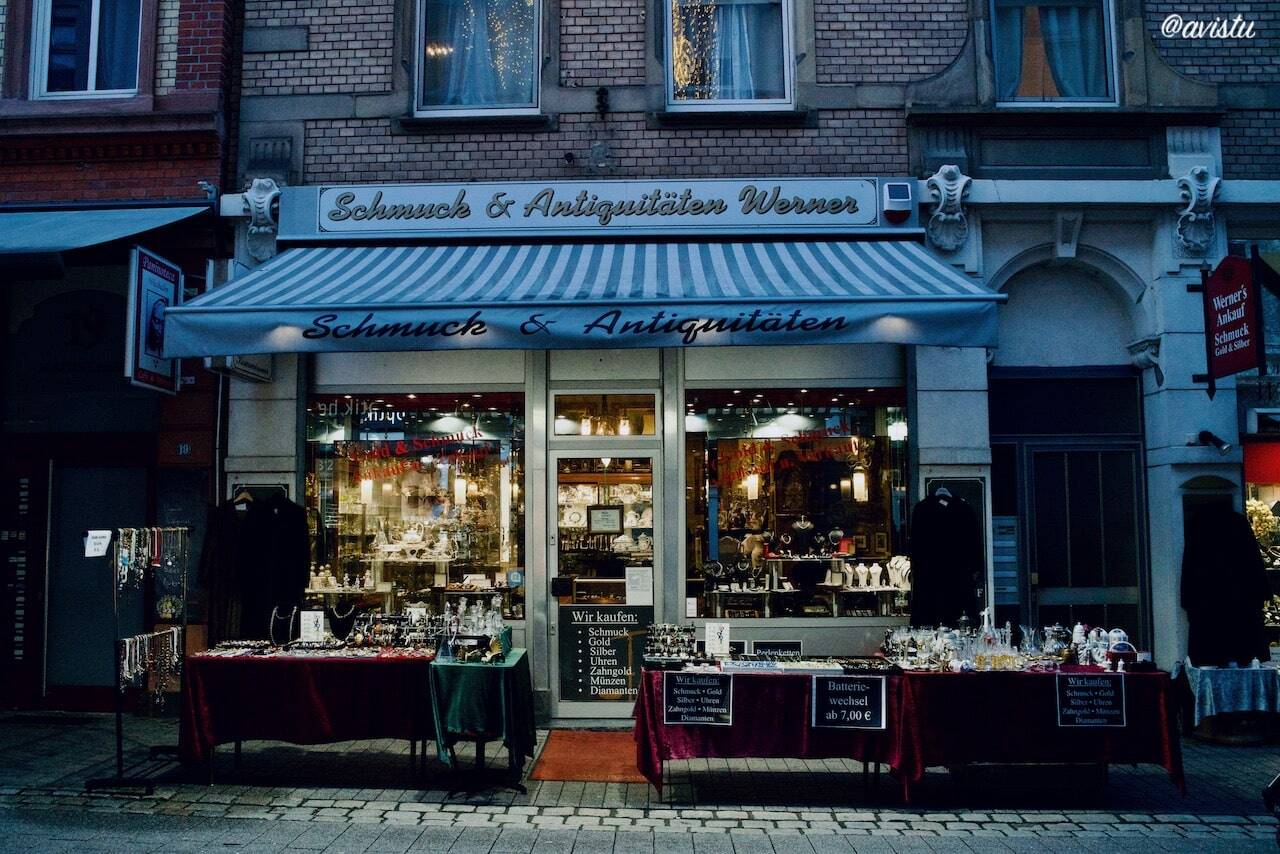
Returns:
<point x="274" y="553"/>
<point x="947" y="561"/>
<point x="1224" y="586"/>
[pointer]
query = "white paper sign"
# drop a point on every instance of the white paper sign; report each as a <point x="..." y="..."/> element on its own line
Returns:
<point x="312" y="626"/>
<point x="717" y="639"/>
<point x="691" y="606"/>
<point x="639" y="585"/>
<point x="96" y="542"/>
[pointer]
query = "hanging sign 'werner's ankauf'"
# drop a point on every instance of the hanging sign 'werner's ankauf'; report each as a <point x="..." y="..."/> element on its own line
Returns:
<point x="580" y="208"/>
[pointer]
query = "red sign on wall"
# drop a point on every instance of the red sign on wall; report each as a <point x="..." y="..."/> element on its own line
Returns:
<point x="1232" y="318"/>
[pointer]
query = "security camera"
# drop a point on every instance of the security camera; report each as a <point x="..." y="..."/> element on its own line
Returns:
<point x="1204" y="437"/>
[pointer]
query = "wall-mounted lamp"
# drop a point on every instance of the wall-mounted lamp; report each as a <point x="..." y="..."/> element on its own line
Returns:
<point x="459" y="491"/>
<point x="1205" y="437"/>
<point x="751" y="486"/>
<point x="897" y="431"/>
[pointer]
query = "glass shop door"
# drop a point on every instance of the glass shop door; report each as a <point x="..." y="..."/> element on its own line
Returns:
<point x="602" y="571"/>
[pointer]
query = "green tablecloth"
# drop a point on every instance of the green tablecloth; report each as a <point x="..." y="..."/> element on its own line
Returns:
<point x="484" y="702"/>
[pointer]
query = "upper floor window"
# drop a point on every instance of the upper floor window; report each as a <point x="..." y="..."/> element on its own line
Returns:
<point x="478" y="56"/>
<point x="85" y="48"/>
<point x="728" y="53"/>
<point x="1053" y="50"/>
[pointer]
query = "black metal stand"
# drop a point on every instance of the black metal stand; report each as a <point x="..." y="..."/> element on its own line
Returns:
<point x="120" y="780"/>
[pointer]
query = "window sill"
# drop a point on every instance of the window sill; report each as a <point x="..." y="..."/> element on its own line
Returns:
<point x="731" y="118"/>
<point x="475" y="124"/>
<point x="140" y="113"/>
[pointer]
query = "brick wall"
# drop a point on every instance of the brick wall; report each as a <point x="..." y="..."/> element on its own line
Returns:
<point x="602" y="42"/>
<point x="166" y="46"/>
<point x="1255" y="60"/>
<point x="1251" y="145"/>
<point x="351" y="46"/>
<point x="204" y="44"/>
<point x="106" y="167"/>
<point x="859" y="142"/>
<point x="888" y="42"/>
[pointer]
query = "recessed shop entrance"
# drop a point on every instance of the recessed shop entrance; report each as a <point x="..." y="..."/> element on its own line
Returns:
<point x="603" y="560"/>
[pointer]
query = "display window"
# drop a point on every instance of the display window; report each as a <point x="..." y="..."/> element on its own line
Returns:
<point x="417" y="498"/>
<point x="796" y="501"/>
<point x="618" y="415"/>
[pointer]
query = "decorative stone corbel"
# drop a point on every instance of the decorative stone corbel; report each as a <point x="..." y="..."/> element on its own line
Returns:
<point x="948" y="228"/>
<point x="1195" y="222"/>
<point x="1145" y="353"/>
<point x="1066" y="233"/>
<point x="262" y="207"/>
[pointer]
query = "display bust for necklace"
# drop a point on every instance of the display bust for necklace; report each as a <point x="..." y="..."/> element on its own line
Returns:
<point x="802" y="524"/>
<point x="863" y="574"/>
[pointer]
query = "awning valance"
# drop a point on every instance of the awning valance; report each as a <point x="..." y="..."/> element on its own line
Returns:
<point x="34" y="232"/>
<point x="554" y="296"/>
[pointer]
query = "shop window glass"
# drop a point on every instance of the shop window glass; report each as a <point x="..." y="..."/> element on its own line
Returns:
<point x="419" y="498"/>
<point x="796" y="502"/>
<point x="478" y="55"/>
<point x="85" y="47"/>
<point x="605" y="415"/>
<point x="1052" y="50"/>
<point x="731" y="52"/>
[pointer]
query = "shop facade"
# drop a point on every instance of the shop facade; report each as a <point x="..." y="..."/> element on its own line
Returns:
<point x="1072" y="426"/>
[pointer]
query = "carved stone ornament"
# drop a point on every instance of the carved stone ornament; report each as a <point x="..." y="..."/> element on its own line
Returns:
<point x="262" y="206"/>
<point x="1195" y="222"/>
<point x="1145" y="353"/>
<point x="948" y="229"/>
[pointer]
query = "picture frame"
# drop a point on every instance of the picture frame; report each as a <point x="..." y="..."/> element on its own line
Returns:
<point x="880" y="542"/>
<point x="859" y="543"/>
<point x="604" y="519"/>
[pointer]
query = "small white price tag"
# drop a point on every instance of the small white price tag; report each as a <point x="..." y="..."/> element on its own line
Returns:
<point x="96" y="542"/>
<point x="313" y="626"/>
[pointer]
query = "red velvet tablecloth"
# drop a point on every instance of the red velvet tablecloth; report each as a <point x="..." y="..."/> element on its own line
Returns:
<point x="771" y="719"/>
<point x="302" y="700"/>
<point x="934" y="719"/>
<point x="956" y="718"/>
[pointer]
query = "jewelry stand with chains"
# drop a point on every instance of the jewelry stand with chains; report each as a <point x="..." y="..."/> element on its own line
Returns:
<point x="159" y="653"/>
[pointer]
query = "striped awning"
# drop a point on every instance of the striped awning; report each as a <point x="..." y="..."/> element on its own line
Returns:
<point x="552" y="296"/>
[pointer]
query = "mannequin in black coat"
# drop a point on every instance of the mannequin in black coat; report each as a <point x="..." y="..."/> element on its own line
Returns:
<point x="274" y="552"/>
<point x="1224" y="586"/>
<point x="947" y="561"/>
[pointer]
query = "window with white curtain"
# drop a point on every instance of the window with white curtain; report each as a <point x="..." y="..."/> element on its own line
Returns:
<point x="728" y="53"/>
<point x="85" y="48"/>
<point x="1053" y="51"/>
<point x="478" y="56"/>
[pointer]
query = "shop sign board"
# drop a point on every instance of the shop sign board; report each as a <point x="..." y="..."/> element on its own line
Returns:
<point x="1091" y="700"/>
<point x="155" y="285"/>
<point x="602" y="651"/>
<point x="659" y="207"/>
<point x="690" y="699"/>
<point x="1232" y="318"/>
<point x="777" y="647"/>
<point x="848" y="702"/>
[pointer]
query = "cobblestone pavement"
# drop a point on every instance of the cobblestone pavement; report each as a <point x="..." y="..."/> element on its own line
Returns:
<point x="362" y="796"/>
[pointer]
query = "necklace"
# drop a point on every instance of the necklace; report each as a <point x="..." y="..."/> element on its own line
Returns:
<point x="350" y="611"/>
<point x="276" y="618"/>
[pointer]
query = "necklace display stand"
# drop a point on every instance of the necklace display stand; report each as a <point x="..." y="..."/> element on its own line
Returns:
<point x="129" y="567"/>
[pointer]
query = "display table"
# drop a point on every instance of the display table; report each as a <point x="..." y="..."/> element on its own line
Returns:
<point x="311" y="699"/>
<point x="771" y="719"/>
<point x="485" y="702"/>
<point x="302" y="699"/>
<point x="934" y="719"/>
<point x="1228" y="690"/>
<point x="951" y="719"/>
